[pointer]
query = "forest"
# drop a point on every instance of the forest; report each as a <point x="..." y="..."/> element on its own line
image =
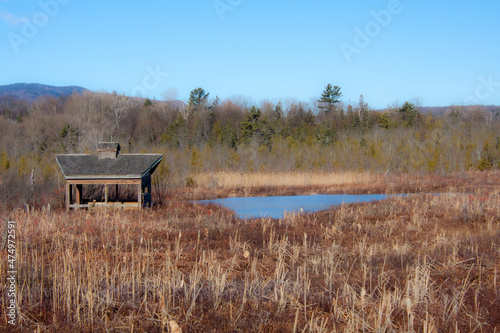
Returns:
<point x="207" y="135"/>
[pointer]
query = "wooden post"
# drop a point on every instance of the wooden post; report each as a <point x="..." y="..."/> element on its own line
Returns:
<point x="105" y="193"/>
<point x="139" y="196"/>
<point x="79" y="190"/>
<point x="146" y="189"/>
<point x="68" y="195"/>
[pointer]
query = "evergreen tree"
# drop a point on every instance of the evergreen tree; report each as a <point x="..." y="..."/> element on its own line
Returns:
<point x="198" y="99"/>
<point x="409" y="113"/>
<point x="251" y="124"/>
<point x="329" y="97"/>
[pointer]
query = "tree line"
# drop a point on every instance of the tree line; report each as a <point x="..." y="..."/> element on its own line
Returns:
<point x="208" y="134"/>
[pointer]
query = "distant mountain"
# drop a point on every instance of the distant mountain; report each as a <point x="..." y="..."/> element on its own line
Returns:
<point x="31" y="91"/>
<point x="443" y="110"/>
<point x="175" y="103"/>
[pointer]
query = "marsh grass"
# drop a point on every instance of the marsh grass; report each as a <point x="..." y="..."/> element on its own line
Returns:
<point x="227" y="179"/>
<point x="421" y="263"/>
<point x="223" y="184"/>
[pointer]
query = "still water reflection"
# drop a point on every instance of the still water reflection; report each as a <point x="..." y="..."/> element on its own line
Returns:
<point x="275" y="207"/>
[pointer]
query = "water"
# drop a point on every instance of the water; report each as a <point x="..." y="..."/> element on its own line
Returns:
<point x="276" y="207"/>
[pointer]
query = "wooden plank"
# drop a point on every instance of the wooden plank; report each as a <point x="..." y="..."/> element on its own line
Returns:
<point x="127" y="205"/>
<point x="79" y="206"/>
<point x="116" y="204"/>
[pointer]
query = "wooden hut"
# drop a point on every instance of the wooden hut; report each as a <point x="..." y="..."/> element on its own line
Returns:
<point x="108" y="168"/>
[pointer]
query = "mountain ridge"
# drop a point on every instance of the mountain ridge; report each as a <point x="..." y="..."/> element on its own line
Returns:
<point x="31" y="91"/>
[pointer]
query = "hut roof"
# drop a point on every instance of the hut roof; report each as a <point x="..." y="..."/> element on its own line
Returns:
<point x="108" y="145"/>
<point x="88" y="166"/>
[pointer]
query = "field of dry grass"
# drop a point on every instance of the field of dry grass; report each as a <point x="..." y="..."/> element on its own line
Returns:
<point x="422" y="263"/>
<point x="229" y="179"/>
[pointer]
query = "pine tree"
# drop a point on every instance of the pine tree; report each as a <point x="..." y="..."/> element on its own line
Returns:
<point x="251" y="124"/>
<point x="410" y="114"/>
<point x="198" y="99"/>
<point x="331" y="96"/>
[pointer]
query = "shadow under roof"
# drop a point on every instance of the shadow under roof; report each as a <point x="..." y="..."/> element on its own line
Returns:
<point x="87" y="166"/>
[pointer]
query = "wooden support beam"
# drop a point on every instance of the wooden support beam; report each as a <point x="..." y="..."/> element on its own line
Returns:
<point x="68" y="195"/>
<point x="146" y="190"/>
<point x="139" y="196"/>
<point x="78" y="194"/>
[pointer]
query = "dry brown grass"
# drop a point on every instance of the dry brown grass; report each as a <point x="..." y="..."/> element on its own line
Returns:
<point x="230" y="184"/>
<point x="228" y="179"/>
<point x="420" y="263"/>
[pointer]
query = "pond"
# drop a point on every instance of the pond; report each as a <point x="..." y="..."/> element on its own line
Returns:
<point x="276" y="207"/>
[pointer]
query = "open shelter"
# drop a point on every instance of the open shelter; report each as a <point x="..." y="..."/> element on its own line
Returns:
<point x="108" y="168"/>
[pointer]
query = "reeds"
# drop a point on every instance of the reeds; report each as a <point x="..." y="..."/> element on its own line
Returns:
<point x="228" y="179"/>
<point x="420" y="263"/>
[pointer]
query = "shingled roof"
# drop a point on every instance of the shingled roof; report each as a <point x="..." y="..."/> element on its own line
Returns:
<point x="88" y="166"/>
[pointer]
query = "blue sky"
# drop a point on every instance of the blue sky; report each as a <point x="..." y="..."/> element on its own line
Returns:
<point x="440" y="53"/>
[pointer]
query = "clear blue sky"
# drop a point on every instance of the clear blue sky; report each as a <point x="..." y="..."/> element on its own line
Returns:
<point x="443" y="52"/>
